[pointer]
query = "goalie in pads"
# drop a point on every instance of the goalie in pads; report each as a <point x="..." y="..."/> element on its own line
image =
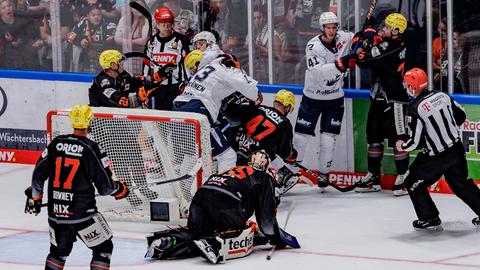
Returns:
<point x="219" y="213"/>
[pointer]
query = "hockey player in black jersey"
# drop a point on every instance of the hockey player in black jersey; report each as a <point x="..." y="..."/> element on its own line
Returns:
<point x="219" y="213"/>
<point x="75" y="166"/>
<point x="166" y="47"/>
<point x="384" y="54"/>
<point x="115" y="87"/>
<point x="263" y="128"/>
<point x="434" y="125"/>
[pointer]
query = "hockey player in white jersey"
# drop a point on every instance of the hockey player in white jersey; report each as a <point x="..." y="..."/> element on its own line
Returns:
<point x="204" y="94"/>
<point x="205" y="42"/>
<point x="327" y="57"/>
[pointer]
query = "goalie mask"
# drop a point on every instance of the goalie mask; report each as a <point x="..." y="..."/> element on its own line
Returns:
<point x="259" y="160"/>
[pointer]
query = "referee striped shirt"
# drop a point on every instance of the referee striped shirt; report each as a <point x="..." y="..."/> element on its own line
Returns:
<point x="434" y="119"/>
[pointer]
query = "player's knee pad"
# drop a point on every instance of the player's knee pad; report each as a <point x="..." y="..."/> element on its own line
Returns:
<point x="54" y="262"/>
<point x="171" y="243"/>
<point x="239" y="243"/>
<point x="226" y="160"/>
<point x="375" y="150"/>
<point x="327" y="148"/>
<point x="96" y="233"/>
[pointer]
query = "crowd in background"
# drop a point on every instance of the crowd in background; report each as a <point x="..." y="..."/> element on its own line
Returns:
<point x="87" y="27"/>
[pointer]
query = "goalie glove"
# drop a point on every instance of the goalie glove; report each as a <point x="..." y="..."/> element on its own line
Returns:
<point x="33" y="205"/>
<point x="121" y="190"/>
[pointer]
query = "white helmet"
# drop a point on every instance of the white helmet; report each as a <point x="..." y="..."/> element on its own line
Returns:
<point x="204" y="35"/>
<point x="328" y="17"/>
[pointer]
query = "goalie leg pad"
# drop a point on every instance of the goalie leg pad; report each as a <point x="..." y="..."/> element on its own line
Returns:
<point x="171" y="243"/>
<point x="327" y="148"/>
<point x="239" y="243"/>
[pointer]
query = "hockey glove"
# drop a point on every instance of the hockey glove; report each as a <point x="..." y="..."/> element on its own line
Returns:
<point x="164" y="72"/>
<point x="121" y="190"/>
<point x="33" y="205"/>
<point x="370" y="38"/>
<point x="346" y="62"/>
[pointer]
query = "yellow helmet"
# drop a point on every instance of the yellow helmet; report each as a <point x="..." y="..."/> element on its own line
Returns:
<point x="396" y="21"/>
<point x="285" y="97"/>
<point x="81" y="115"/>
<point x="108" y="57"/>
<point x="192" y="59"/>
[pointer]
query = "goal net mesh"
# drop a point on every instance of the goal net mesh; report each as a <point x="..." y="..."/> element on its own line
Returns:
<point x="146" y="146"/>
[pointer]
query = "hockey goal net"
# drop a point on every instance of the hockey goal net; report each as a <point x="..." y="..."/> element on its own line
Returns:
<point x="146" y="146"/>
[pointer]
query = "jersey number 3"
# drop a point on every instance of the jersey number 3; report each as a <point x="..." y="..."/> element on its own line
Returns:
<point x="67" y="162"/>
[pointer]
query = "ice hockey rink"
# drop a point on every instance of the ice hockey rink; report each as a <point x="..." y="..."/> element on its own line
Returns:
<point x="336" y="231"/>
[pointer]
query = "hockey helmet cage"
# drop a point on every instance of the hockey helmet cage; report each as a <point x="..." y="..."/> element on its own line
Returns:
<point x="164" y="15"/>
<point x="396" y="21"/>
<point x="286" y="98"/>
<point x="108" y="57"/>
<point x="193" y="59"/>
<point x="229" y="60"/>
<point x="80" y="116"/>
<point x="328" y="17"/>
<point x="205" y="35"/>
<point x="415" y="81"/>
<point x="259" y="160"/>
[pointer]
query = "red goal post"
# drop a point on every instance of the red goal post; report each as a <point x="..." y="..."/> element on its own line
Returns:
<point x="146" y="146"/>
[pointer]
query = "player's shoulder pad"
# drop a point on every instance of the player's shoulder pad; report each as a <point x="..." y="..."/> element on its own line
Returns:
<point x="313" y="43"/>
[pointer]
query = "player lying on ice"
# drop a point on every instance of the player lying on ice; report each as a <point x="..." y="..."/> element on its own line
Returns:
<point x="218" y="225"/>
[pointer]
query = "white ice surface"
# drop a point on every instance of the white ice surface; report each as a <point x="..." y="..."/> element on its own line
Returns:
<point x="336" y="231"/>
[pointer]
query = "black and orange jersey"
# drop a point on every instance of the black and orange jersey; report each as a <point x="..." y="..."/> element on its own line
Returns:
<point x="107" y="91"/>
<point x="387" y="61"/>
<point x="75" y="166"/>
<point x="262" y="127"/>
<point x="254" y="189"/>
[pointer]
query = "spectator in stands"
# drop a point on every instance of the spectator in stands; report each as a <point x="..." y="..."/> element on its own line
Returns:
<point x="91" y="36"/>
<point x="440" y="59"/>
<point x="83" y="7"/>
<point x="66" y="24"/>
<point x="260" y="43"/>
<point x="19" y="39"/>
<point x="137" y="35"/>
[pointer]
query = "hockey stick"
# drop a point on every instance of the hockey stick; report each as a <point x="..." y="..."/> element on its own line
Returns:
<point x="341" y="189"/>
<point x="145" y="13"/>
<point x="289" y="213"/>
<point x="373" y="3"/>
<point x="148" y="59"/>
<point x="191" y="173"/>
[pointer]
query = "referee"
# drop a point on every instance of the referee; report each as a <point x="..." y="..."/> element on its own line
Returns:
<point x="165" y="47"/>
<point x="434" y="119"/>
